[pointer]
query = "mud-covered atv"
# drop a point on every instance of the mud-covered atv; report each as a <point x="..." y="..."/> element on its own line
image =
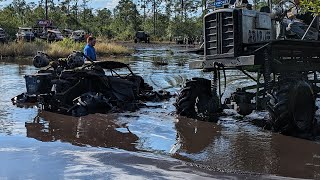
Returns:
<point x="70" y="86"/>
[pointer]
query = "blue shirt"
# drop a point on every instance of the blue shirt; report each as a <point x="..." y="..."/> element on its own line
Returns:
<point x="90" y="52"/>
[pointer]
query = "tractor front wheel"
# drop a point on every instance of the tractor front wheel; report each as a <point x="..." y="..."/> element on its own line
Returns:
<point x="292" y="107"/>
<point x="196" y="99"/>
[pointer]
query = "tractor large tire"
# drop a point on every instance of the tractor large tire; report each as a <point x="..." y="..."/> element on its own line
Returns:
<point x="292" y="107"/>
<point x="196" y="99"/>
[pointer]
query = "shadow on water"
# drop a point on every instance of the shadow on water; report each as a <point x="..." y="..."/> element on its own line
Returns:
<point x="194" y="136"/>
<point x="236" y="147"/>
<point x="92" y="130"/>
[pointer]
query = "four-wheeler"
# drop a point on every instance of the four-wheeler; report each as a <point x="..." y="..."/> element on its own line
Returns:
<point x="67" y="33"/>
<point x="280" y="54"/>
<point x="41" y="27"/>
<point x="38" y="31"/>
<point x="52" y="35"/>
<point x="142" y="36"/>
<point x="71" y="86"/>
<point x="79" y="36"/>
<point x="25" y="34"/>
<point x="179" y="40"/>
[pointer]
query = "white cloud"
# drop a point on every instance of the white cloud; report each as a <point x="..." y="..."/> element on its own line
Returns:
<point x="111" y="4"/>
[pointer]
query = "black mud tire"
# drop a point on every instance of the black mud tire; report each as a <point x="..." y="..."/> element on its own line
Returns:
<point x="292" y="107"/>
<point x="196" y="100"/>
<point x="89" y="103"/>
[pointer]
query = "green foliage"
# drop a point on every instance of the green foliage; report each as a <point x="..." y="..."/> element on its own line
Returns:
<point x="259" y="3"/>
<point x="311" y="6"/>
<point x="71" y="44"/>
<point x="21" y="49"/>
<point x="59" y="49"/>
<point x="162" y="19"/>
<point x="126" y="20"/>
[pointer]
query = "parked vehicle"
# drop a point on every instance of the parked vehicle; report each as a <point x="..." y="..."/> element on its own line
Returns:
<point x="41" y="28"/>
<point x="3" y="36"/>
<point x="67" y="33"/>
<point x="38" y="31"/>
<point x="79" y="36"/>
<point x="179" y="40"/>
<point x="25" y="34"/>
<point x="53" y="35"/>
<point x="142" y="36"/>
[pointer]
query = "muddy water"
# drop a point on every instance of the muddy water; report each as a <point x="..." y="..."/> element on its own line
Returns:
<point x="151" y="143"/>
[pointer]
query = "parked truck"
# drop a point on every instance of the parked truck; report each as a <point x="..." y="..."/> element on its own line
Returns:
<point x="25" y="34"/>
<point x="142" y="36"/>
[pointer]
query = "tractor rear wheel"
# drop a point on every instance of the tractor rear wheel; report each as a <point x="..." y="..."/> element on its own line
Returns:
<point x="292" y="107"/>
<point x="196" y="100"/>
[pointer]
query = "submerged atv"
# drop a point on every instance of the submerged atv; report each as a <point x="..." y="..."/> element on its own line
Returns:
<point x="70" y="86"/>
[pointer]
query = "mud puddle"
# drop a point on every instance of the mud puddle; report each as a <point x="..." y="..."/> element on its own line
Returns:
<point x="151" y="143"/>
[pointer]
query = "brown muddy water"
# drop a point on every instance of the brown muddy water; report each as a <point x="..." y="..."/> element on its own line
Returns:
<point x="151" y="143"/>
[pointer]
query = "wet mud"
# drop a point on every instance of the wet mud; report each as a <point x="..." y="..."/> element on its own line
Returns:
<point x="152" y="143"/>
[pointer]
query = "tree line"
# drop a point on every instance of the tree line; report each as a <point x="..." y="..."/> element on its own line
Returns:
<point x="163" y="19"/>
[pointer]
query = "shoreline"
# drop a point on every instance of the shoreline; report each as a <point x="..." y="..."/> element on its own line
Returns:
<point x="60" y="49"/>
<point x="30" y="58"/>
<point x="127" y="49"/>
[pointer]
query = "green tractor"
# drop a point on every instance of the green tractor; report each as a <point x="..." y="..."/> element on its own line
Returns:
<point x="278" y="52"/>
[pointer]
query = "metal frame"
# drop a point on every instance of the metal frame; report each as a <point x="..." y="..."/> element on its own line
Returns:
<point x="275" y="58"/>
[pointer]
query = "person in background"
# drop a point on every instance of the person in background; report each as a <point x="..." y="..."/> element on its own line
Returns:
<point x="89" y="48"/>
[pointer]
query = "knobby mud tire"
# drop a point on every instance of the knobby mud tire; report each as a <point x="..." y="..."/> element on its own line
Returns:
<point x="89" y="103"/>
<point x="292" y="107"/>
<point x="196" y="100"/>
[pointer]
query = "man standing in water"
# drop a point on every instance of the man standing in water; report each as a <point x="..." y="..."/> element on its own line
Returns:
<point x="89" y="48"/>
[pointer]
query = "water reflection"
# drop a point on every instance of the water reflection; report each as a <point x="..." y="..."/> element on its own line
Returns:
<point x="94" y="130"/>
<point x="295" y="157"/>
<point x="194" y="136"/>
<point x="238" y="147"/>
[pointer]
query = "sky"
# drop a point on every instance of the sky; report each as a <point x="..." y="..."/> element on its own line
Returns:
<point x="95" y="4"/>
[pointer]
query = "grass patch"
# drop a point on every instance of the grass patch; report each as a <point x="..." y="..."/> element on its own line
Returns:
<point x="107" y="49"/>
<point x="59" y="49"/>
<point x="13" y="49"/>
<point x="63" y="48"/>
